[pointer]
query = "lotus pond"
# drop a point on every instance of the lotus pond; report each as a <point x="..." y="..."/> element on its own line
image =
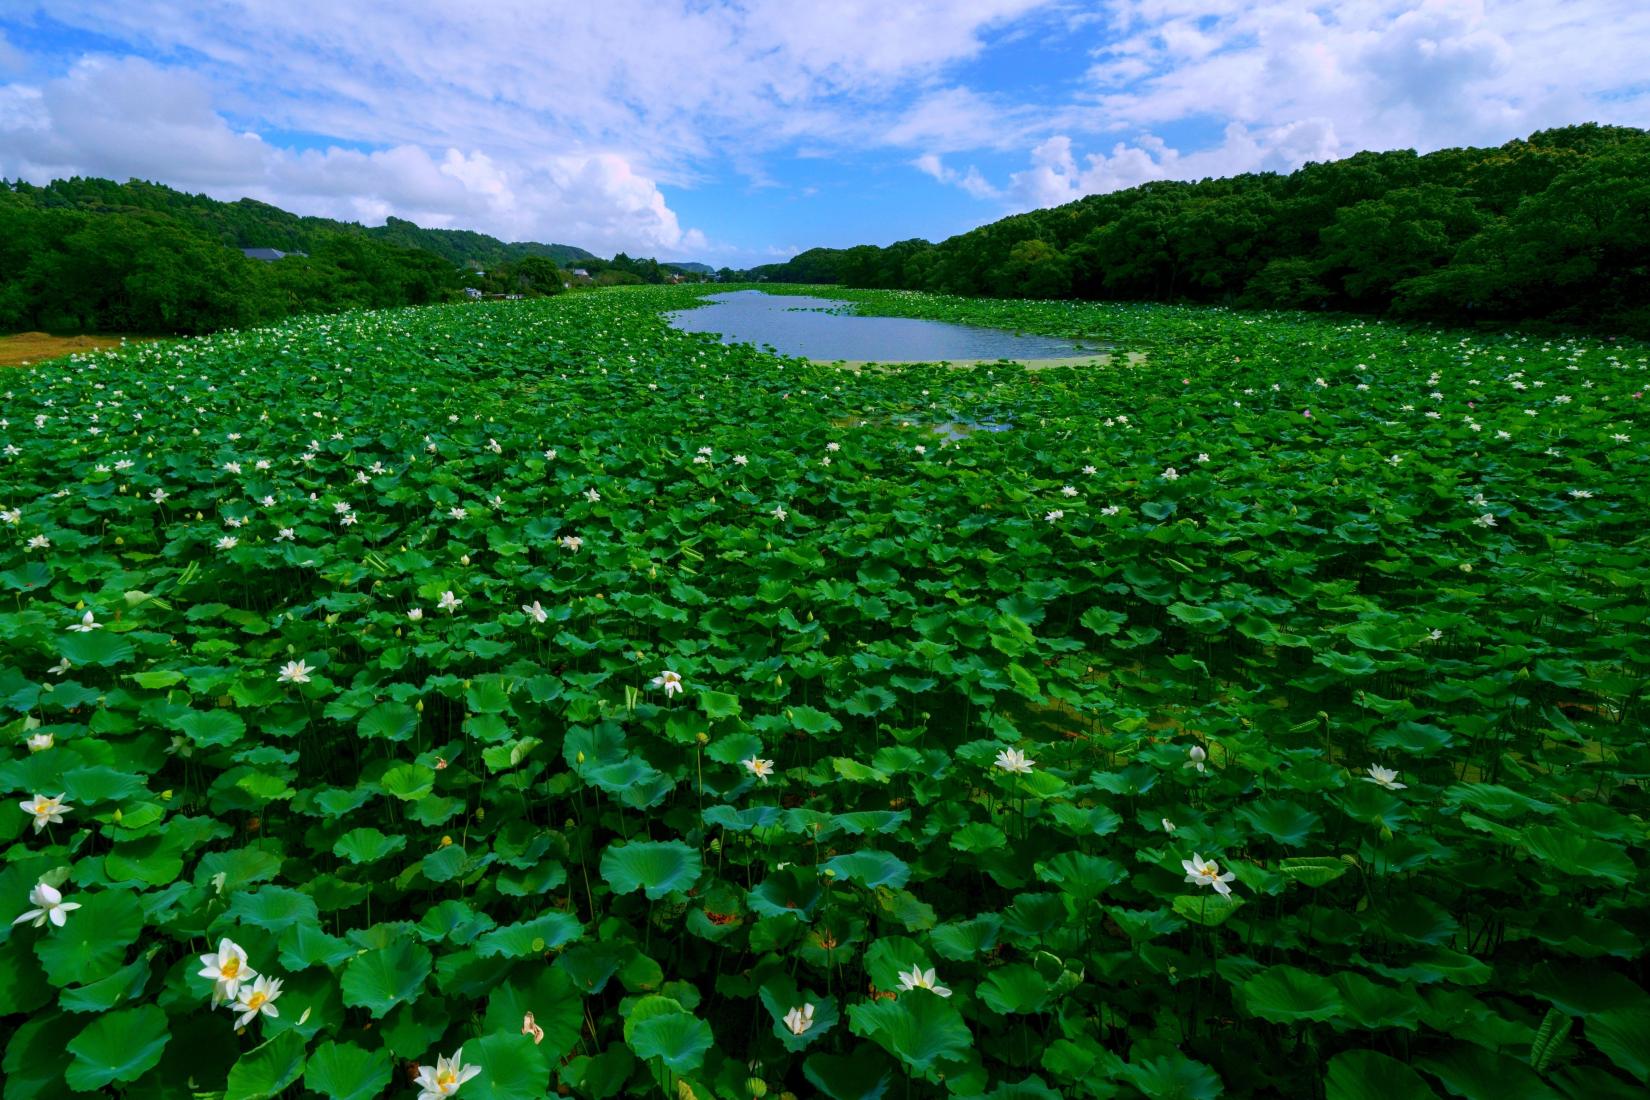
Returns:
<point x="632" y="714"/>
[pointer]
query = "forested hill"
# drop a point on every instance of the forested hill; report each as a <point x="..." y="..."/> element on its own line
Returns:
<point x="248" y="223"/>
<point x="92" y="255"/>
<point x="1556" y="227"/>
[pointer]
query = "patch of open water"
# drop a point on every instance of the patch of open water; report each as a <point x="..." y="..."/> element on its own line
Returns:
<point x="818" y="328"/>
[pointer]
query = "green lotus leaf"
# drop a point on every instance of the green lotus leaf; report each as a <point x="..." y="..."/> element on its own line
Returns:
<point x="117" y="1047"/>
<point x="92" y="944"/>
<point x="267" y="1069"/>
<point x="384" y="977"/>
<point x="344" y="1071"/>
<point x="512" y="1068"/>
<point x="1173" y="1076"/>
<point x="1369" y="1075"/>
<point x="1284" y="994"/>
<point x="918" y="1030"/>
<point x="862" y="1074"/>
<point x="367" y="845"/>
<point x="869" y="869"/>
<point x="677" y="1039"/>
<point x="388" y="722"/>
<point x="658" y="867"/>
<point x="532" y="937"/>
<point x="1014" y="989"/>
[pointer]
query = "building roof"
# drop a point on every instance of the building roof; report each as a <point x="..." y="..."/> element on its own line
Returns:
<point x="268" y="254"/>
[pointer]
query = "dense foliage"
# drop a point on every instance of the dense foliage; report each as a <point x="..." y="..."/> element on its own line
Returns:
<point x="1556" y="227"/>
<point x="92" y="255"/>
<point x="643" y="715"/>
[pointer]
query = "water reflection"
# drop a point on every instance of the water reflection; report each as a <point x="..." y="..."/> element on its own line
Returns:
<point x="819" y="328"/>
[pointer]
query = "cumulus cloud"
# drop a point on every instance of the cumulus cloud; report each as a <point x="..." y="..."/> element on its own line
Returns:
<point x="129" y="118"/>
<point x="1293" y="82"/>
<point x="971" y="181"/>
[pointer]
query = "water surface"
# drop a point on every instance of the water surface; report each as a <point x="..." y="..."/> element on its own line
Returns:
<point x="818" y="328"/>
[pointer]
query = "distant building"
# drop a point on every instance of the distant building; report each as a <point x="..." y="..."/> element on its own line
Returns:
<point x="580" y="272"/>
<point x="472" y="292"/>
<point x="269" y="254"/>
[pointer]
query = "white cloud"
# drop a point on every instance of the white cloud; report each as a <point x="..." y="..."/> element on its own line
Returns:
<point x="1291" y="82"/>
<point x="129" y="118"/>
<point x="971" y="181"/>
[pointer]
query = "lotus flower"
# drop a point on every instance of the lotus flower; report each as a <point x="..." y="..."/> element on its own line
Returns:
<point x="1383" y="777"/>
<point x="444" y="1078"/>
<point x="48" y="906"/>
<point x="86" y="625"/>
<point x="227" y="968"/>
<point x="258" y="999"/>
<point x="46" y="811"/>
<point x="670" y="681"/>
<point x="798" y="1020"/>
<point x="758" y="767"/>
<point x="1014" y="761"/>
<point x="294" y="672"/>
<point x="919" y="978"/>
<point x="1206" y="872"/>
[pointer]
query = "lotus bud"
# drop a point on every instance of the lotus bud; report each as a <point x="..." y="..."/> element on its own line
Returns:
<point x="756" y="1087"/>
<point x="419" y="707"/>
<point x="702" y="737"/>
<point x="465" y="560"/>
<point x="581" y="758"/>
<point x="481" y="813"/>
<point x="446" y="842"/>
<point x="199" y="516"/>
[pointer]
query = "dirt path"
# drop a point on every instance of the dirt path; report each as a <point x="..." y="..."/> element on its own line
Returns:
<point x="26" y="348"/>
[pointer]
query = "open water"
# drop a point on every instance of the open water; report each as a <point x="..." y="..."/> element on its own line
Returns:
<point x="817" y="328"/>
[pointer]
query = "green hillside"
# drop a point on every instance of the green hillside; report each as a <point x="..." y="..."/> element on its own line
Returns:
<point x="1555" y="227"/>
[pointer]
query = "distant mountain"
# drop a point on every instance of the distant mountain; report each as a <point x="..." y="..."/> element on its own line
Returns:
<point x="248" y="223"/>
<point x="693" y="268"/>
<point x="463" y="246"/>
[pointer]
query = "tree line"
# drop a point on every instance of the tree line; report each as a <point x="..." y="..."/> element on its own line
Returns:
<point x="1554" y="228"/>
<point x="93" y="255"/>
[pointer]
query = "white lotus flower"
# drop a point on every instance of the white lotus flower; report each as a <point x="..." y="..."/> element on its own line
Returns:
<point x="449" y="602"/>
<point x="1068" y="490"/>
<point x="294" y="672"/>
<point x="441" y="1080"/>
<point x="1014" y="761"/>
<point x="255" y="1000"/>
<point x="1168" y="826"/>
<point x="1206" y="872"/>
<point x="228" y="542"/>
<point x="227" y="967"/>
<point x="416" y="614"/>
<point x="592" y="496"/>
<point x="919" y="978"/>
<point x="1383" y="777"/>
<point x="349" y="519"/>
<point x="758" y="767"/>
<point x="46" y="811"/>
<point x="798" y="1020"/>
<point x="1055" y="516"/>
<point x="159" y="496"/>
<point x="39" y="542"/>
<point x="570" y="542"/>
<point x="670" y="681"/>
<point x="40" y="742"/>
<point x="86" y="625"/>
<point x="457" y="513"/>
<point x="1197" y="757"/>
<point x="1110" y="510"/>
<point x="740" y="460"/>
<point x="779" y="512"/>
<point x="60" y="668"/>
<point x="1485" y="520"/>
<point x="286" y="534"/>
<point x="535" y="612"/>
<point x="1090" y="470"/>
<point x="1170" y="474"/>
<point x="48" y="906"/>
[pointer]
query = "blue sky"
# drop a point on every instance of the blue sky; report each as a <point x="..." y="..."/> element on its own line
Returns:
<point x="740" y="131"/>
